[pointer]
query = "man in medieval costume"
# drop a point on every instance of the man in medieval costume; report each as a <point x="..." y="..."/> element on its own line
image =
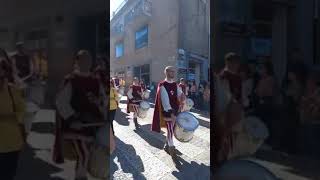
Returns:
<point x="228" y="109"/>
<point x="167" y="106"/>
<point x="81" y="108"/>
<point x="134" y="98"/>
<point x="183" y="86"/>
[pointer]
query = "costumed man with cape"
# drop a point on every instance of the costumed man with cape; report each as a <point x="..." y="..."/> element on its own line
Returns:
<point x="167" y="105"/>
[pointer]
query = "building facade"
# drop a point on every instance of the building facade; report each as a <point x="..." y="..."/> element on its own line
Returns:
<point x="146" y="36"/>
<point x="57" y="27"/>
<point x="263" y="29"/>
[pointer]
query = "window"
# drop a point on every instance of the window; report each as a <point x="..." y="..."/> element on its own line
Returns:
<point x="119" y="50"/>
<point x="143" y="73"/>
<point x="142" y="37"/>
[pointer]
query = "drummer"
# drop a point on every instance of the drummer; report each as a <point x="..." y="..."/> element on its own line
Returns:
<point x="81" y="109"/>
<point x="167" y="106"/>
<point x="135" y="96"/>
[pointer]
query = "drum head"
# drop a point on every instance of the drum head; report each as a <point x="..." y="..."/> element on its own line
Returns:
<point x="256" y="128"/>
<point x="144" y="105"/>
<point x="243" y="169"/>
<point x="190" y="102"/>
<point x="187" y="121"/>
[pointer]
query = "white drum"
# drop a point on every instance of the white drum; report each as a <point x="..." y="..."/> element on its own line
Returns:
<point x="188" y="104"/>
<point x="143" y="109"/>
<point x="186" y="124"/>
<point x="118" y="98"/>
<point x="146" y="94"/>
<point x="31" y="110"/>
<point x="243" y="169"/>
<point x="250" y="137"/>
<point x="121" y="91"/>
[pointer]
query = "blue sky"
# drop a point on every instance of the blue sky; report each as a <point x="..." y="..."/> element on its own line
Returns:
<point x="114" y="5"/>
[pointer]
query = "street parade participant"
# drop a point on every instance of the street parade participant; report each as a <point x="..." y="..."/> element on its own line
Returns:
<point x="113" y="104"/>
<point x="228" y="108"/>
<point x="12" y="129"/>
<point x="135" y="96"/>
<point x="183" y="86"/>
<point x="167" y="106"/>
<point x="81" y="107"/>
<point x="22" y="64"/>
<point x="116" y="82"/>
<point x="143" y="86"/>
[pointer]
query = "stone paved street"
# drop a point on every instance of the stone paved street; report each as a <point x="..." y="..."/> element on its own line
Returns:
<point x="139" y="153"/>
<point x="36" y="160"/>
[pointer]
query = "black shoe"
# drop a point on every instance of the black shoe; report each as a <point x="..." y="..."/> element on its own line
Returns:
<point x="172" y="151"/>
<point x="166" y="149"/>
<point x="136" y="123"/>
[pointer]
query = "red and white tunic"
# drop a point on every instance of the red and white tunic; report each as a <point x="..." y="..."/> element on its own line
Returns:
<point x="170" y="93"/>
<point x="134" y="96"/>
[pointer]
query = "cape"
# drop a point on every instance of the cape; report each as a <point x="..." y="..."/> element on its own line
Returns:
<point x="158" y="121"/>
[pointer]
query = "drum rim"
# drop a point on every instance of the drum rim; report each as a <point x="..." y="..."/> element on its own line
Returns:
<point x="180" y="139"/>
<point x="198" y="123"/>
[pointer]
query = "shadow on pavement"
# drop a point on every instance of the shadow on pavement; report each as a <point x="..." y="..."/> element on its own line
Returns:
<point x="299" y="166"/>
<point x="121" y="118"/>
<point x="129" y="161"/>
<point x="204" y="123"/>
<point x="31" y="167"/>
<point x="191" y="170"/>
<point x="152" y="141"/>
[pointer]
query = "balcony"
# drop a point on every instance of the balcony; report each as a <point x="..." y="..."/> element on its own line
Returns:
<point x="117" y="30"/>
<point x="141" y="10"/>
